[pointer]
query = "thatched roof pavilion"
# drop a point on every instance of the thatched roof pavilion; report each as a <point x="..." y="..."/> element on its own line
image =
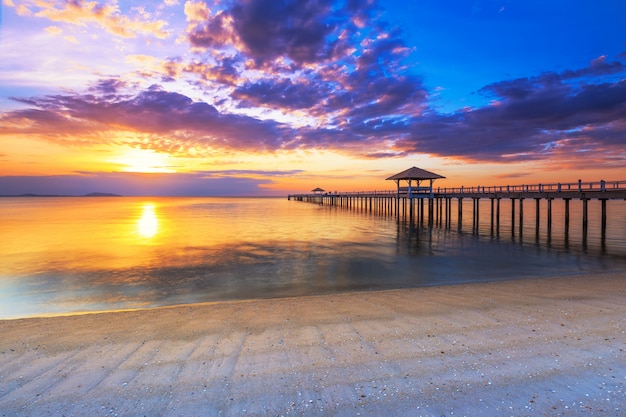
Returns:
<point x="415" y="176"/>
<point x="318" y="190"/>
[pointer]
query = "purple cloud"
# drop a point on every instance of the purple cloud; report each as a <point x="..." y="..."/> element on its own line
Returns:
<point x="347" y="71"/>
<point x="108" y="86"/>
<point x="281" y="94"/>
<point x="153" y="111"/>
<point x="298" y="30"/>
<point x="531" y="118"/>
<point x="211" y="32"/>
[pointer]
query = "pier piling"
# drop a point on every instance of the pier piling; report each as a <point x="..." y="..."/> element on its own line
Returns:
<point x="439" y="201"/>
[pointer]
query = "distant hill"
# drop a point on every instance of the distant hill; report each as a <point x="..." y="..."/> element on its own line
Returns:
<point x="101" y="195"/>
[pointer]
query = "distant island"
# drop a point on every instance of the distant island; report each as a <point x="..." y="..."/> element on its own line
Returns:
<point x="63" y="195"/>
<point x="101" y="195"/>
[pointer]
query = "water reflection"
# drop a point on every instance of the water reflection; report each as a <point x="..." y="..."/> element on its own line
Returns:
<point x="148" y="223"/>
<point x="85" y="254"/>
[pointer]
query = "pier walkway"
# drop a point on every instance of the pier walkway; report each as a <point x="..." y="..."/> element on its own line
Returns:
<point x="601" y="190"/>
<point x="412" y="200"/>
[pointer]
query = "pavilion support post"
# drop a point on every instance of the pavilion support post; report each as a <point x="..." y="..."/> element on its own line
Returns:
<point x="405" y="200"/>
<point x="410" y="202"/>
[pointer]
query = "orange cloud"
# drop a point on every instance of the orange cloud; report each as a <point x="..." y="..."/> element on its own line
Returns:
<point x="82" y="13"/>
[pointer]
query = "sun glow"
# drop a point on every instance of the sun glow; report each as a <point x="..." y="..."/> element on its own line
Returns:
<point x="144" y="160"/>
<point x="148" y="223"/>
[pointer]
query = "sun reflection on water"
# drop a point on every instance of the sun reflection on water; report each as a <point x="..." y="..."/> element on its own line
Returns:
<point x="148" y="223"/>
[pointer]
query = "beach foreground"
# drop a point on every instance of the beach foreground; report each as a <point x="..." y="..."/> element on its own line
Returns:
<point x="530" y="347"/>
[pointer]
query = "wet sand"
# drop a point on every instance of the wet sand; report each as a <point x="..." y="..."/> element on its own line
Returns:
<point x="545" y="347"/>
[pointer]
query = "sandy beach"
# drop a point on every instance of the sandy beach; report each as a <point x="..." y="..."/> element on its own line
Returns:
<point x="548" y="347"/>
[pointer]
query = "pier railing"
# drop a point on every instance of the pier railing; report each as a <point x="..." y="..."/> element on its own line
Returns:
<point x="579" y="187"/>
<point x="614" y="189"/>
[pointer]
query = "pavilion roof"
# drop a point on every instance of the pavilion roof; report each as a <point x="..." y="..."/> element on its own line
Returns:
<point x="415" y="173"/>
<point x="317" y="190"/>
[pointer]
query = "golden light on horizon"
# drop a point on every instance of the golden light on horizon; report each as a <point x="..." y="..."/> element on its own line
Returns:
<point x="144" y="160"/>
<point x="148" y="223"/>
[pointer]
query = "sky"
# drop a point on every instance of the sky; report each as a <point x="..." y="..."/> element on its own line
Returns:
<point x="271" y="97"/>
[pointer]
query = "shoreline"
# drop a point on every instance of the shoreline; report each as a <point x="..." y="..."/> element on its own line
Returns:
<point x="517" y="347"/>
<point x="612" y="271"/>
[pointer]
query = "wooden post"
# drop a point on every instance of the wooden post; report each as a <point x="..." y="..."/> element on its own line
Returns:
<point x="431" y="209"/>
<point x="398" y="204"/>
<point x="521" y="217"/>
<point x="566" y="219"/>
<point x="549" y="217"/>
<point x="476" y="214"/>
<point x="603" y="225"/>
<point x="460" y="214"/>
<point x="498" y="217"/>
<point x="492" y="213"/>
<point x="512" y="216"/>
<point x="440" y="210"/>
<point x="537" y="219"/>
<point x="585" y="221"/>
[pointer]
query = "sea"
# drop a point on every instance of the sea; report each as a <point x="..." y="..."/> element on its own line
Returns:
<point x="71" y="255"/>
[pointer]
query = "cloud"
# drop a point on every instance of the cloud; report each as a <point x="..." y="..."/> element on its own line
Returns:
<point x="251" y="172"/>
<point x="108" y="86"/>
<point x="298" y="30"/>
<point x="153" y="111"/>
<point x="206" y="30"/>
<point x="326" y="76"/>
<point x="281" y="93"/>
<point x="268" y="76"/>
<point x="532" y="118"/>
<point x="107" y="16"/>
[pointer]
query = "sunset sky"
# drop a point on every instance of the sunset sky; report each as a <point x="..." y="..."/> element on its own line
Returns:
<point x="269" y="97"/>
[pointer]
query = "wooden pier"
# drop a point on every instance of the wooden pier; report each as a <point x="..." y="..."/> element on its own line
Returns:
<point x="435" y="204"/>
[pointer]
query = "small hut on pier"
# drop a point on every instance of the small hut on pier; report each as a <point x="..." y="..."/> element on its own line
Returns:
<point x="414" y="177"/>
<point x="318" y="190"/>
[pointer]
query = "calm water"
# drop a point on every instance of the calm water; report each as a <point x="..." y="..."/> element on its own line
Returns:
<point x="64" y="255"/>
